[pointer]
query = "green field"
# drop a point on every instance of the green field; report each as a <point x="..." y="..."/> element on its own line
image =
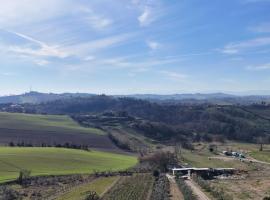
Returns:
<point x="58" y="161"/>
<point x="42" y="122"/>
<point x="261" y="155"/>
<point x="99" y="186"/>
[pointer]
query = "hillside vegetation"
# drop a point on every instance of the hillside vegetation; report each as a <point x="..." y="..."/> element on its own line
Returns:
<point x="167" y="121"/>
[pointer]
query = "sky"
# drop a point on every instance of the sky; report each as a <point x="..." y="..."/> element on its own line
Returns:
<point x="134" y="46"/>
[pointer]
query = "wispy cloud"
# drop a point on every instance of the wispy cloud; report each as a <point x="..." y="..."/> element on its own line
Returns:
<point x="93" y="46"/>
<point x="41" y="51"/>
<point x="145" y="18"/>
<point x="22" y="12"/>
<point x="139" y="65"/>
<point x="150" y="11"/>
<point x="6" y="74"/>
<point x="175" y="76"/>
<point x="96" y="21"/>
<point x="261" y="28"/>
<point x="99" y="23"/>
<point x="234" y="48"/>
<point x="259" y="67"/>
<point x="153" y="45"/>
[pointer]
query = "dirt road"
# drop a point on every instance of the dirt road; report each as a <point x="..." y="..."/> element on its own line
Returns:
<point x="196" y="190"/>
<point x="174" y="190"/>
<point x="249" y="159"/>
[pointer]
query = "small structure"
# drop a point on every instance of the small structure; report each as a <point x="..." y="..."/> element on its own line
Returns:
<point x="208" y="172"/>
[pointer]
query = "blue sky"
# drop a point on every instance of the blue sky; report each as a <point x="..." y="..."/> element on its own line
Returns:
<point x="134" y="46"/>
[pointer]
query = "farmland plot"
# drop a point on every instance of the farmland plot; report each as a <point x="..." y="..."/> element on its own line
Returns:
<point x="137" y="187"/>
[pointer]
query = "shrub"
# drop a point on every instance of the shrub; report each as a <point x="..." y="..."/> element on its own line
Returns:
<point x="156" y="173"/>
<point x="92" y="196"/>
<point x="24" y="175"/>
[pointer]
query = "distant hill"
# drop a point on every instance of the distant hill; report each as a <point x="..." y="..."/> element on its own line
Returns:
<point x="196" y="98"/>
<point x="168" y="121"/>
<point x="200" y="98"/>
<point x="37" y="97"/>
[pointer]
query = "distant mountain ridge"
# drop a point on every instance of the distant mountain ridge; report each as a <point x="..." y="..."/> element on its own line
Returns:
<point x="197" y="96"/>
<point x="188" y="98"/>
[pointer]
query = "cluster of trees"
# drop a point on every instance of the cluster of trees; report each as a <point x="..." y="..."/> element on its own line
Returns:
<point x="160" y="160"/>
<point x="64" y="145"/>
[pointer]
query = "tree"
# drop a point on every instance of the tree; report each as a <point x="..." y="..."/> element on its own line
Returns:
<point x="92" y="195"/>
<point x="11" y="144"/>
<point x="261" y="141"/>
<point x="178" y="151"/>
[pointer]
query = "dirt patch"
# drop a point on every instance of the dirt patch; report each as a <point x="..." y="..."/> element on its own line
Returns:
<point x="176" y="194"/>
<point x="196" y="189"/>
<point x="255" y="185"/>
<point x="50" y="187"/>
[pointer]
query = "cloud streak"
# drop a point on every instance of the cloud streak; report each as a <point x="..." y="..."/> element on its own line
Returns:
<point x="259" y="67"/>
<point x="238" y="47"/>
<point x="261" y="28"/>
<point x="175" y="76"/>
<point x="42" y="50"/>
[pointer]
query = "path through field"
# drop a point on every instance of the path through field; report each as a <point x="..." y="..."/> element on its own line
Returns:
<point x="196" y="190"/>
<point x="174" y="190"/>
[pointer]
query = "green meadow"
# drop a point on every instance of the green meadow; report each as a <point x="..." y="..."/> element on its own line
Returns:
<point x="58" y="161"/>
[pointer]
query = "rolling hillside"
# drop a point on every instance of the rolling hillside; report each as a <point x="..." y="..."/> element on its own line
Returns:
<point x="49" y="129"/>
<point x="55" y="161"/>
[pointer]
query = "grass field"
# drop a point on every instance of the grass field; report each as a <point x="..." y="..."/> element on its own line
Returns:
<point x="201" y="157"/>
<point x="250" y="150"/>
<point x="56" y="161"/>
<point x="99" y="186"/>
<point x="42" y="122"/>
<point x="261" y="155"/>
